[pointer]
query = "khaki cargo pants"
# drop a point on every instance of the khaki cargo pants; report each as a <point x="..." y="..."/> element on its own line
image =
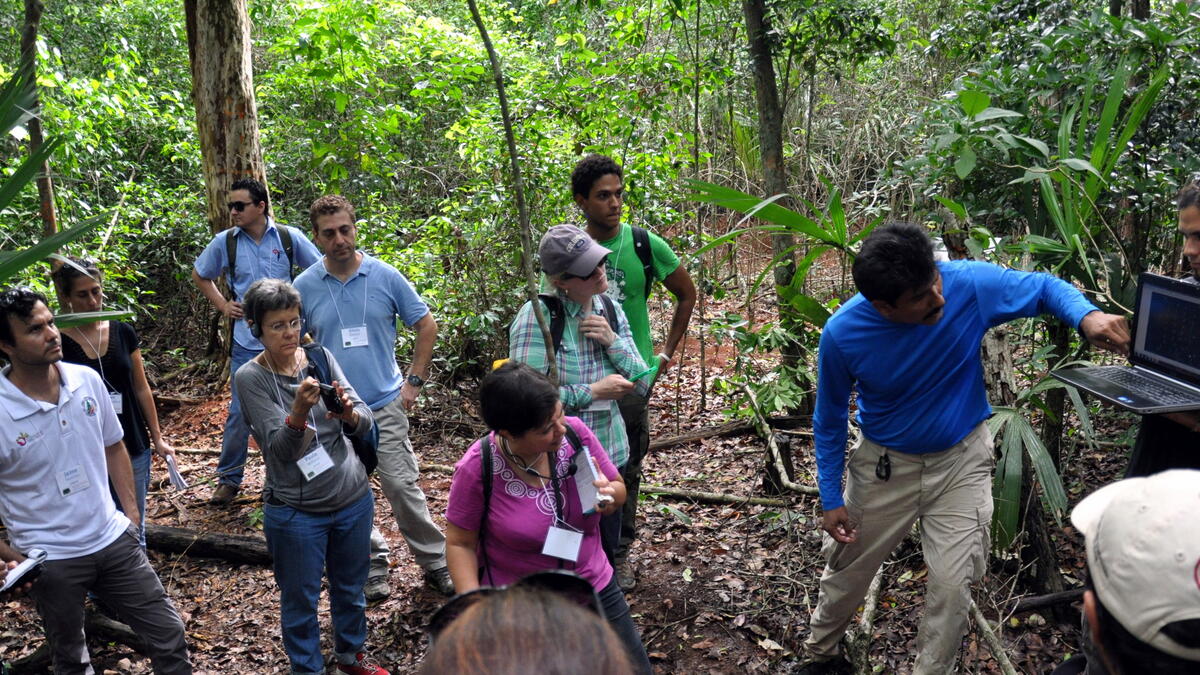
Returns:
<point x="950" y="493"/>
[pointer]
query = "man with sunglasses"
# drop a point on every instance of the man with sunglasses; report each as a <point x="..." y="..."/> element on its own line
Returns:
<point x="260" y="252"/>
<point x="638" y="259"/>
<point x="352" y="302"/>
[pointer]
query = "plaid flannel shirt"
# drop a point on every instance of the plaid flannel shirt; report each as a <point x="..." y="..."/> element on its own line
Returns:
<point x="582" y="361"/>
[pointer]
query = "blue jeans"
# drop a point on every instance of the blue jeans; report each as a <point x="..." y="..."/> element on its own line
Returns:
<point x="616" y="610"/>
<point x="237" y="429"/>
<point x="305" y="547"/>
<point x="141" y="485"/>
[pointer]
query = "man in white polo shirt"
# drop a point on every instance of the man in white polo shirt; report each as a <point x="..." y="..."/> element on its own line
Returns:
<point x="60" y="443"/>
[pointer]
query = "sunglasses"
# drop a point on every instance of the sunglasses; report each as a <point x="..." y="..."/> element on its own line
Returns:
<point x="560" y="582"/>
<point x="567" y="276"/>
<point x="239" y="206"/>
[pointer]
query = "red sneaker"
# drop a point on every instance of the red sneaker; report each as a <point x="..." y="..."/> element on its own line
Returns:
<point x="363" y="665"/>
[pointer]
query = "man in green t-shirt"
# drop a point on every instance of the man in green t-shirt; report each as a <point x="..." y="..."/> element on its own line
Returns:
<point x="638" y="259"/>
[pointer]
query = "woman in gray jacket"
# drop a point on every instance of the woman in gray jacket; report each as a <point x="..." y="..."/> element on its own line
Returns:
<point x="317" y="503"/>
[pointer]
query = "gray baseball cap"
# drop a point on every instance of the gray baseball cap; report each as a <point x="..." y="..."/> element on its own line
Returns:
<point x="568" y="249"/>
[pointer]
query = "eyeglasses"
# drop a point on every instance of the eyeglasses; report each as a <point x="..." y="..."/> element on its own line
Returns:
<point x="567" y="276"/>
<point x="239" y="206"/>
<point x="281" y="326"/>
<point x="560" y="582"/>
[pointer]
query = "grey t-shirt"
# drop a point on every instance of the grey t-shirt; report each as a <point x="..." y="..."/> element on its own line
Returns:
<point x="266" y="399"/>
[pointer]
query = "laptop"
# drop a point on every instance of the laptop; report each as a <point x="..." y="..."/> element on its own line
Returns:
<point x="1165" y="372"/>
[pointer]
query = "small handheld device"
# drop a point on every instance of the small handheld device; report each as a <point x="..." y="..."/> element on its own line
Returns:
<point x="331" y="398"/>
<point x="27" y="571"/>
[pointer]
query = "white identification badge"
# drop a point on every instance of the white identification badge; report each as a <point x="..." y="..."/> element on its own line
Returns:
<point x="355" y="336"/>
<point x="315" y="463"/>
<point x="118" y="401"/>
<point x="562" y="543"/>
<point x="72" y="480"/>
<point x="599" y="405"/>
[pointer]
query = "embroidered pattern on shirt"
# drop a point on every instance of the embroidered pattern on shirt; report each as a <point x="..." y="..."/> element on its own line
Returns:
<point x="515" y="487"/>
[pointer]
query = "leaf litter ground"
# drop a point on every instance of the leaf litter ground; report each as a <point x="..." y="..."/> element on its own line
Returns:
<point x="721" y="588"/>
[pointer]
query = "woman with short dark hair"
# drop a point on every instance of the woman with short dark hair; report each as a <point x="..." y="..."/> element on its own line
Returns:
<point x="515" y="505"/>
<point x="317" y="504"/>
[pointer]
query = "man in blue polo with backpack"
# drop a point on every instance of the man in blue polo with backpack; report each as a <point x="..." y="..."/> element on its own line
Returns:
<point x="352" y="302"/>
<point x="639" y="258"/>
<point x="254" y="248"/>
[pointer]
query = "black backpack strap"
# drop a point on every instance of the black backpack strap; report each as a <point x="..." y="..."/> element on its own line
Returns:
<point x="231" y="255"/>
<point x="485" y="456"/>
<point x="557" y="318"/>
<point x="285" y="238"/>
<point x="575" y="441"/>
<point x="641" y="246"/>
<point x="318" y="365"/>
<point x="610" y="312"/>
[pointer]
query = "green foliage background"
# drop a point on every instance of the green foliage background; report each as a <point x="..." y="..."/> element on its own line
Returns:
<point x="392" y="104"/>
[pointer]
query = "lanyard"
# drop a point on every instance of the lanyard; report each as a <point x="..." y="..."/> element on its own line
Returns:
<point x="99" y="356"/>
<point x="366" y="284"/>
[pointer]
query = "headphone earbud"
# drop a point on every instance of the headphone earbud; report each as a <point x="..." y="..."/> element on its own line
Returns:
<point x="255" y="329"/>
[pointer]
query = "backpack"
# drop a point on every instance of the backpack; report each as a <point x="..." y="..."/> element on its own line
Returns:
<point x="641" y="246"/>
<point x="485" y="456"/>
<point x="285" y="237"/>
<point x="367" y="448"/>
<point x="558" y="318"/>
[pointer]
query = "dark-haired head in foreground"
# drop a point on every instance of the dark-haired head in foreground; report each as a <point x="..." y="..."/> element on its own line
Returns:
<point x="523" y="631"/>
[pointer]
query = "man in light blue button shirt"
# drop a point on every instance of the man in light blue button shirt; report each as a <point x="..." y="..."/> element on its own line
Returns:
<point x="351" y="305"/>
<point x="260" y="253"/>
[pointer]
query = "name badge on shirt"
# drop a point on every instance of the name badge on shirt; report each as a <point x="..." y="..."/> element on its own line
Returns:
<point x="599" y="405"/>
<point x="355" y="336"/>
<point x="562" y="543"/>
<point x="72" y="480"/>
<point x="315" y="463"/>
<point x="118" y="401"/>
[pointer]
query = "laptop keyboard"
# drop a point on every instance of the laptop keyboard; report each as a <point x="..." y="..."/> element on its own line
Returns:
<point x="1146" y="385"/>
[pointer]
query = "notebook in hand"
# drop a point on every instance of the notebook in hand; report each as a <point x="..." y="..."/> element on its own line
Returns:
<point x="1164" y="375"/>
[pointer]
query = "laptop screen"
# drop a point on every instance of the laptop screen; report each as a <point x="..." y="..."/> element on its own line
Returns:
<point x="1167" y="330"/>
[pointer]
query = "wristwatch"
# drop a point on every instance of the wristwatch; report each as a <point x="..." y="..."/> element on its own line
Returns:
<point x="415" y="380"/>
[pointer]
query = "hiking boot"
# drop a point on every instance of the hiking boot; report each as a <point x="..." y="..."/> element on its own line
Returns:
<point x="224" y="494"/>
<point x="626" y="579"/>
<point x="363" y="665"/>
<point x="377" y="587"/>
<point x="830" y="665"/>
<point x="439" y="580"/>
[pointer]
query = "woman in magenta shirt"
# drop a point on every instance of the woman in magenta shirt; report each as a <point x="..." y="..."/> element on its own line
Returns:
<point x="534" y="519"/>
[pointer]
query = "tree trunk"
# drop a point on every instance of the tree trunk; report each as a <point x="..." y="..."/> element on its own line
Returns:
<point x="531" y="284"/>
<point x="770" y="126"/>
<point x="45" y="186"/>
<point x="218" y="34"/>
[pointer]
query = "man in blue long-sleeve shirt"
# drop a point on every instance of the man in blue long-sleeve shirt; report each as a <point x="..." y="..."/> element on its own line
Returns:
<point x="908" y="343"/>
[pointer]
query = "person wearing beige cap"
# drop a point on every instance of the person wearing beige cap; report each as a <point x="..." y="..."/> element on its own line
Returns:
<point x="1142" y="610"/>
<point x="597" y="359"/>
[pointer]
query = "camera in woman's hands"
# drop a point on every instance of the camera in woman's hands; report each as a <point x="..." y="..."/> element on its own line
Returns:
<point x="332" y="401"/>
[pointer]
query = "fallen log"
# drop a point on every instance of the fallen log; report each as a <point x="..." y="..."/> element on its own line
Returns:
<point x="97" y="627"/>
<point x="1037" y="602"/>
<point x="727" y="429"/>
<point x="711" y="497"/>
<point x="231" y="547"/>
